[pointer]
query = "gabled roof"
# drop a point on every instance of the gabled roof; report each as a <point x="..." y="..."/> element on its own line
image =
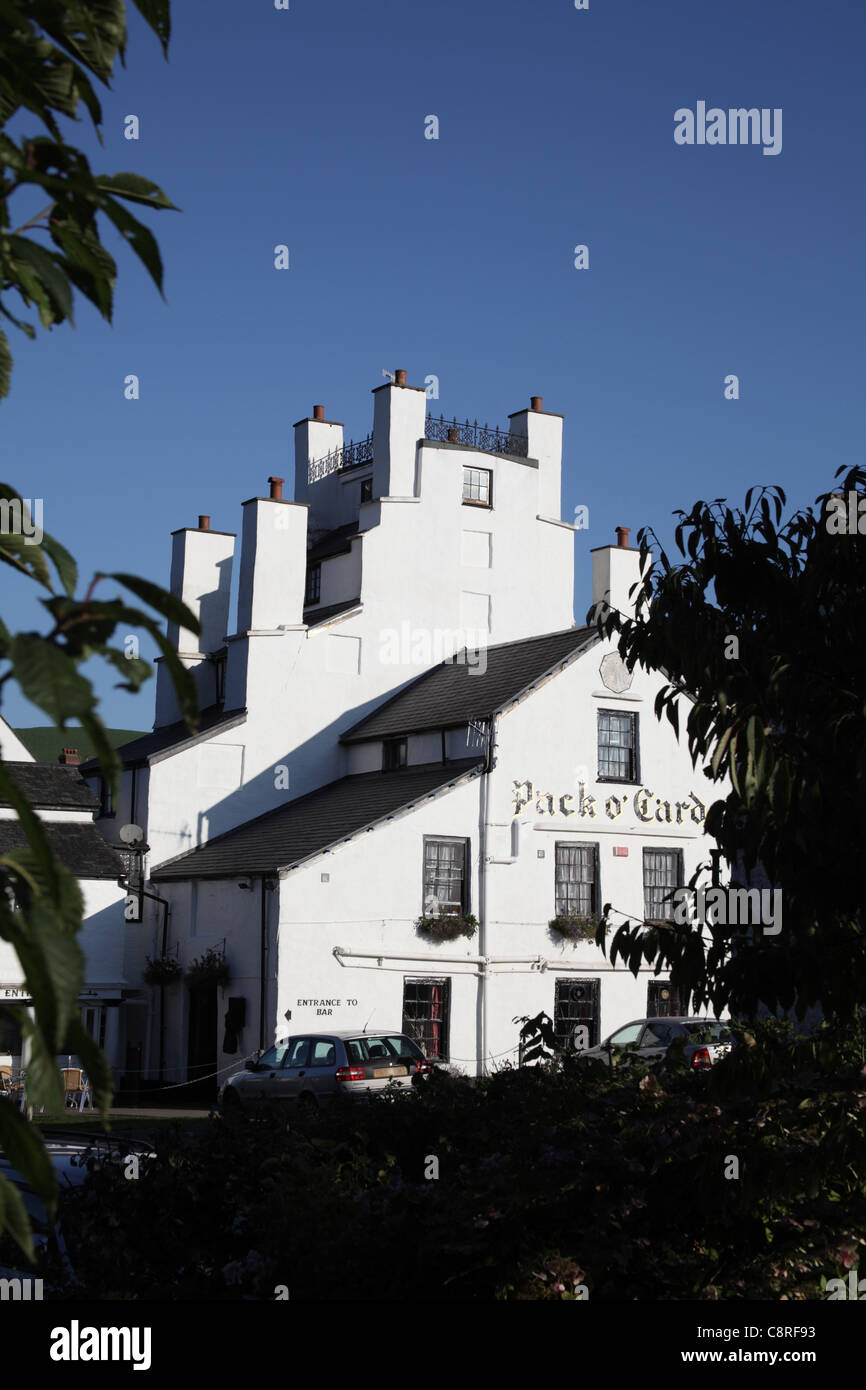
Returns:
<point x="79" y="847"/>
<point x="322" y="819"/>
<point x="211" y="720"/>
<point x="51" y="786"/>
<point x="455" y="691"/>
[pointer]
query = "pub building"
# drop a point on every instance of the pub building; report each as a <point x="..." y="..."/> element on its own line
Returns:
<point x="411" y="761"/>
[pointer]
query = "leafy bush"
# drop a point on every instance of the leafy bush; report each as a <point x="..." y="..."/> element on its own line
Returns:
<point x="210" y="968"/>
<point x="547" y="1179"/>
<point x="164" y="970"/>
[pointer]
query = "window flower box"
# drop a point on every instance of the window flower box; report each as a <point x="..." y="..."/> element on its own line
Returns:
<point x="575" y="927"/>
<point x="447" y="926"/>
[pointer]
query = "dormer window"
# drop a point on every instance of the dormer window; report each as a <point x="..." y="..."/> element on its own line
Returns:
<point x="477" y="487"/>
<point x="313" y="591"/>
<point x="394" y="754"/>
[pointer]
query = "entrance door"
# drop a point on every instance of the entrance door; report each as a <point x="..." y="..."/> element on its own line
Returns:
<point x="575" y="1013"/>
<point x="202" y="1046"/>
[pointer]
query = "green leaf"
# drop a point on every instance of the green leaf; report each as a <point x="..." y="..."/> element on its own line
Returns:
<point x="157" y="14"/>
<point x="48" y="677"/>
<point x="159" y="599"/>
<point x="5" y="365"/>
<point x="13" y="1217"/>
<point x="135" y="189"/>
<point x="139" y="237"/>
<point x="22" y="1144"/>
<point x="109" y="761"/>
<point x="44" y="265"/>
<point x="67" y="569"/>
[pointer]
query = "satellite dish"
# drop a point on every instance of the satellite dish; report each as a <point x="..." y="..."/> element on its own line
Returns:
<point x="131" y="834"/>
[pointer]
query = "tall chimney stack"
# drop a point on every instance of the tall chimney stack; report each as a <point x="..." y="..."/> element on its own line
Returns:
<point x="70" y="757"/>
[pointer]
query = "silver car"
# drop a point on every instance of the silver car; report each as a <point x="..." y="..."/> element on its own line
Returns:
<point x="705" y="1040"/>
<point x="312" y="1069"/>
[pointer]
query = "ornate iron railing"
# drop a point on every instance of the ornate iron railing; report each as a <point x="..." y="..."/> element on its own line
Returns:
<point x="485" y="438"/>
<point x="346" y="457"/>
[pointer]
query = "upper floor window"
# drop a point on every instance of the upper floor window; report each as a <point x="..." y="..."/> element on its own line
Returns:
<point x="617" y="747"/>
<point x="478" y="486"/>
<point x="576" y="880"/>
<point x="394" y="753"/>
<point x="367" y="490"/>
<point x="445" y="876"/>
<point x="313" y="591"/>
<point x="662" y="873"/>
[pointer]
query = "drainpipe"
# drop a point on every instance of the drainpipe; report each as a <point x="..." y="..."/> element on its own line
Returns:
<point x="154" y="897"/>
<point x="262" y="962"/>
<point x="483" y="890"/>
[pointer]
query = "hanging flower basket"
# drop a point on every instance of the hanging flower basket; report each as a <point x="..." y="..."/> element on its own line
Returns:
<point x="210" y="968"/>
<point x="162" y="971"/>
<point x="575" y="926"/>
<point x="444" y="926"/>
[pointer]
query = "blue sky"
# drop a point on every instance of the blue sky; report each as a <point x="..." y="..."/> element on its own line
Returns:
<point x="455" y="257"/>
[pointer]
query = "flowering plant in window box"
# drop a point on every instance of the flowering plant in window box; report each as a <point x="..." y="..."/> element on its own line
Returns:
<point x="210" y="968"/>
<point x="162" y="971"/>
<point x="447" y="926"/>
<point x="575" y="926"/>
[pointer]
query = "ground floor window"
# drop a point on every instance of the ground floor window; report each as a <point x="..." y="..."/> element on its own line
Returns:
<point x="664" y="1001"/>
<point x="10" y="1029"/>
<point x="576" y="1013"/>
<point x="426" y="1015"/>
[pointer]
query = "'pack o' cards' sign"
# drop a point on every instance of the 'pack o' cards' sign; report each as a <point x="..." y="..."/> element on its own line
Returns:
<point x="644" y="805"/>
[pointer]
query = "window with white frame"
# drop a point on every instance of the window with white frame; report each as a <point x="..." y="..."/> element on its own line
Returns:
<point x="662" y="873"/>
<point x="477" y="486"/>
<point x="576" y="880"/>
<point x="617" y="746"/>
<point x="445" y="886"/>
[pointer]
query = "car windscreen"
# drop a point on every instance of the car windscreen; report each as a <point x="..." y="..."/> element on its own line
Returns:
<point x="388" y="1047"/>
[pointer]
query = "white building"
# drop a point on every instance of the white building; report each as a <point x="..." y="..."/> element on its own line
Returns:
<point x="66" y="805"/>
<point x="405" y="715"/>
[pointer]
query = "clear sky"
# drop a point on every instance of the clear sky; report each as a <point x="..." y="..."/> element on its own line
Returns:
<point x="455" y="257"/>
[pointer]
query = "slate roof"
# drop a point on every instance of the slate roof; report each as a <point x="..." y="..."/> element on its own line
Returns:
<point x="282" y="838"/>
<point x="315" y="615"/>
<point x="51" y="786"/>
<point x="140" y="749"/>
<point x="79" y="847"/>
<point x="336" y="542"/>
<point x="455" y="692"/>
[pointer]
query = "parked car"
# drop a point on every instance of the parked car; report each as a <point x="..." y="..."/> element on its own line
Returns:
<point x="705" y="1040"/>
<point x="313" y="1069"/>
<point x="72" y="1161"/>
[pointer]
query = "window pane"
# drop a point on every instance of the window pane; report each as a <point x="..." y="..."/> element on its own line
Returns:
<point x="616" y="745"/>
<point x="443" y="875"/>
<point x="476" y="485"/>
<point x="575" y="880"/>
<point x="661" y="869"/>
<point x="426" y="1015"/>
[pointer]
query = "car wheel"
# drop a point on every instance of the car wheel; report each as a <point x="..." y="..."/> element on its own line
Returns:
<point x="231" y="1102"/>
<point x="307" y="1104"/>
